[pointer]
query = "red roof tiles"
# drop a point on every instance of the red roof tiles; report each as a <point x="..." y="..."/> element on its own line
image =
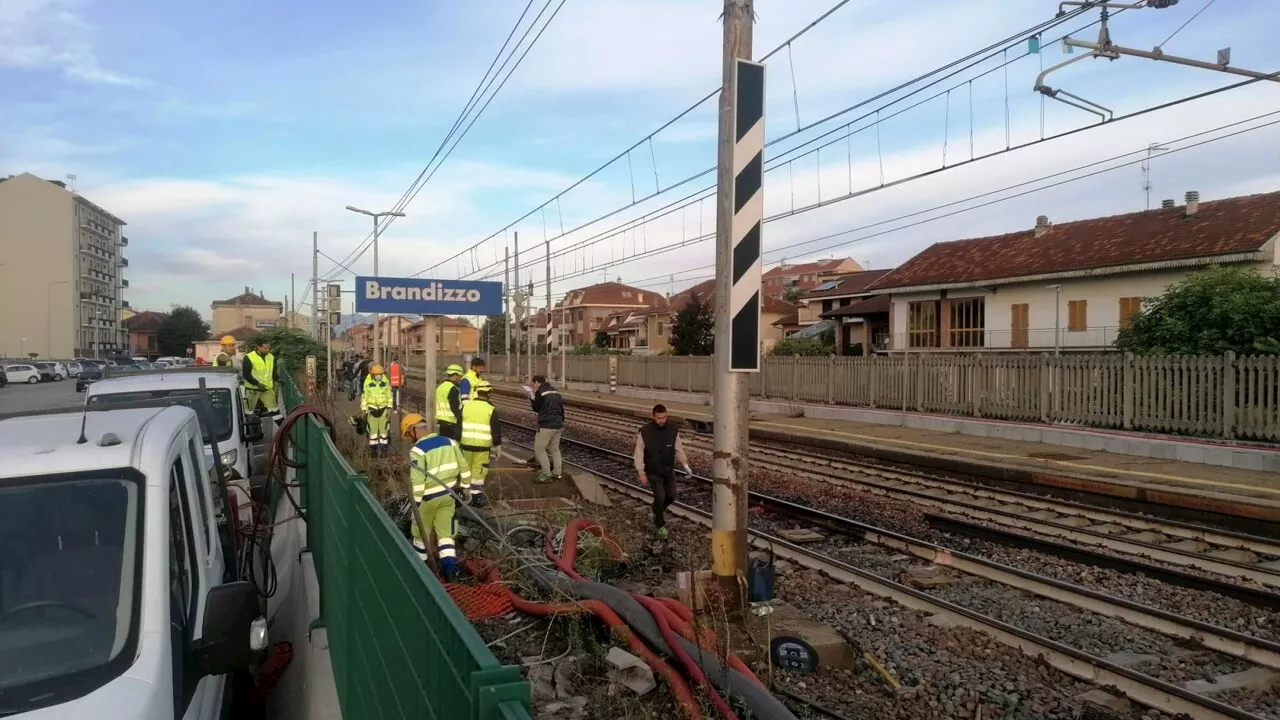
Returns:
<point x="1221" y="227"/>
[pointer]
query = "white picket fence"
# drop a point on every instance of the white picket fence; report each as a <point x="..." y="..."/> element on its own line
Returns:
<point x="1219" y="396"/>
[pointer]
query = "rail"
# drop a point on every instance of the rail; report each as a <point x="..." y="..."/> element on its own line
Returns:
<point x="400" y="647"/>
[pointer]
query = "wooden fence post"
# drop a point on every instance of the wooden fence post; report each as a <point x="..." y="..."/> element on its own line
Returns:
<point x="1128" y="390"/>
<point x="1229" y="400"/>
<point x="978" y="365"/>
<point x="795" y="377"/>
<point x="873" y="362"/>
<point x="1045" y="381"/>
<point x="831" y="379"/>
<point x="919" y="383"/>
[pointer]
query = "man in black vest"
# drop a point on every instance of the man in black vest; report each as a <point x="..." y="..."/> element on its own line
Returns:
<point x="658" y="449"/>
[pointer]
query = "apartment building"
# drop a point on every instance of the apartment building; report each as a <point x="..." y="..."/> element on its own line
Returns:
<point x="61" y="272"/>
<point x="783" y="278"/>
<point x="1074" y="285"/>
<point x="649" y="331"/>
<point x="249" y="310"/>
<point x="454" y="336"/>
<point x="589" y="308"/>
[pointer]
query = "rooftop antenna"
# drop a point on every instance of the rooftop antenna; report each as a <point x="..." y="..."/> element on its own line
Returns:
<point x="84" y="420"/>
<point x="71" y="180"/>
<point x="1146" y="169"/>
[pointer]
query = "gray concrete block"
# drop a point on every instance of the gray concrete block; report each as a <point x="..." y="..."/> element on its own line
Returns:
<point x="1218" y="455"/>
<point x="1189" y="453"/>
<point x="1270" y="462"/>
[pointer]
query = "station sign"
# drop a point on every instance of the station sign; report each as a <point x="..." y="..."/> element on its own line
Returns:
<point x="424" y="296"/>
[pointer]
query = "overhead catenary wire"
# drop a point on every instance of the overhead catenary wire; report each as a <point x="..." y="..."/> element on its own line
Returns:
<point x="444" y="149"/>
<point x="658" y="280"/>
<point x="900" y="181"/>
<point x="987" y="53"/>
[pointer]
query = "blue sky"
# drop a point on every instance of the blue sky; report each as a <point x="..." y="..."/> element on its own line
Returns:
<point x="226" y="133"/>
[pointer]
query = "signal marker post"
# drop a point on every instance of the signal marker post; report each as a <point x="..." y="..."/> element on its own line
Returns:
<point x="431" y="299"/>
<point x="739" y="212"/>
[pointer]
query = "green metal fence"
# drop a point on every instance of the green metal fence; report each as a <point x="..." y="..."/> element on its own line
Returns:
<point x="400" y="647"/>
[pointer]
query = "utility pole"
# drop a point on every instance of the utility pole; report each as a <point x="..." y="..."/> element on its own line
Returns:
<point x="315" y="284"/>
<point x="506" y="312"/>
<point x="377" y="317"/>
<point x="737" y="328"/>
<point x="550" y="371"/>
<point x="293" y="300"/>
<point x="515" y="281"/>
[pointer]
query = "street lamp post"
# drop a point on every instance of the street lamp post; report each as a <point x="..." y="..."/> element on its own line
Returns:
<point x="377" y="317"/>
<point x="48" y="343"/>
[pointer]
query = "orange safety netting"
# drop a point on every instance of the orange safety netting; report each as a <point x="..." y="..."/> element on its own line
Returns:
<point x="480" y="602"/>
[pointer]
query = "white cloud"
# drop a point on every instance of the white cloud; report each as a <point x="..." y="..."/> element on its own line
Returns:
<point x="53" y="34"/>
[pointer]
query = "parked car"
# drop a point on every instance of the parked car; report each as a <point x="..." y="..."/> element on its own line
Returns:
<point x="46" y="371"/>
<point x="22" y="373"/>
<point x="73" y="368"/>
<point x="4" y="379"/>
<point x="87" y="377"/>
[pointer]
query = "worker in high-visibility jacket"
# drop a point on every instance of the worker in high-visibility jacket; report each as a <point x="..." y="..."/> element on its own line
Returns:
<point x="481" y="437"/>
<point x="436" y="469"/>
<point x="258" y="374"/>
<point x="471" y="378"/>
<point x="395" y="373"/>
<point x="375" y="403"/>
<point x="449" y="404"/>
<point x="226" y="357"/>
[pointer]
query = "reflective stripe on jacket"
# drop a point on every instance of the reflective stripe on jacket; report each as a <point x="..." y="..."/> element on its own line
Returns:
<point x="444" y="408"/>
<point x="397" y="379"/>
<point x="436" y="465"/>
<point x="376" y="394"/>
<point x="477" y="424"/>
<point x="264" y="370"/>
<point x="468" y="381"/>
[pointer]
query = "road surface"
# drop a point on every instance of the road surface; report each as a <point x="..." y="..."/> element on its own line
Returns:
<point x="44" y="396"/>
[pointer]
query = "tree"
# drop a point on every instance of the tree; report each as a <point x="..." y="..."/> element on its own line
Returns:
<point x="694" y="331"/>
<point x="494" y="334"/>
<point x="601" y="339"/>
<point x="291" y="346"/>
<point x="793" y="294"/>
<point x="180" y="330"/>
<point x="1209" y="313"/>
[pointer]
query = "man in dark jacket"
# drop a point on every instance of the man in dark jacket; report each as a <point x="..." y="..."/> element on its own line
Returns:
<point x="546" y="445"/>
<point x="658" y="450"/>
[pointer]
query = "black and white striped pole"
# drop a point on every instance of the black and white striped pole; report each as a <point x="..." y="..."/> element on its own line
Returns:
<point x="739" y="212"/>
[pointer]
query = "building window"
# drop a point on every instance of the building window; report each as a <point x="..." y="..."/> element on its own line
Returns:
<point x="661" y="328"/>
<point x="922" y="324"/>
<point x="968" y="322"/>
<point x="1077" y="315"/>
<point x="1129" y="307"/>
<point x="1020" y="316"/>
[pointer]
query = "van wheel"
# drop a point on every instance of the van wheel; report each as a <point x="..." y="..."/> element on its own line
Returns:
<point x="33" y="379"/>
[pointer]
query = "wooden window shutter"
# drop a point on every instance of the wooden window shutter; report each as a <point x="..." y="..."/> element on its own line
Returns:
<point x="1078" y="315"/>
<point x="1020" y="315"/>
<point x="1128" y="308"/>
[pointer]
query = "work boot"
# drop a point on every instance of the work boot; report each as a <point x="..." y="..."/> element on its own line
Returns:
<point x="542" y="478"/>
<point x="478" y="500"/>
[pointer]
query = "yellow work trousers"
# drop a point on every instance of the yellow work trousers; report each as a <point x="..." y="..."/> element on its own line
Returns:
<point x="437" y="519"/>
<point x="253" y="396"/>
<point x="478" y="461"/>
<point x="378" y="429"/>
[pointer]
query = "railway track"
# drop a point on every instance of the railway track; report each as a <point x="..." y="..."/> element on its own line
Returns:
<point x="846" y="566"/>
<point x="1240" y="565"/>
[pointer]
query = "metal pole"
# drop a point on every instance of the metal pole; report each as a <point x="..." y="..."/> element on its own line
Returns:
<point x="293" y="300"/>
<point x="550" y="370"/>
<point x="729" y="463"/>
<point x="377" y="317"/>
<point x="328" y="345"/>
<point x="315" y="285"/>
<point x="1057" y="319"/>
<point x="564" y="357"/>
<point x="429" y="347"/>
<point x="515" y="281"/>
<point x="506" y="312"/>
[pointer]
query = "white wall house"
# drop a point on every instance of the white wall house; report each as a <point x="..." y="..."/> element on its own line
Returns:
<point x="1074" y="285"/>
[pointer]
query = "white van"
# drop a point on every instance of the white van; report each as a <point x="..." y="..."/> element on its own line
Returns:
<point x="114" y="592"/>
<point x="235" y="430"/>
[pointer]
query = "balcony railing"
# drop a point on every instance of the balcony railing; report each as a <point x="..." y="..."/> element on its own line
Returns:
<point x="124" y="303"/>
<point x="124" y="241"/>
<point x="124" y="261"/>
<point x="1030" y="340"/>
<point x="124" y="283"/>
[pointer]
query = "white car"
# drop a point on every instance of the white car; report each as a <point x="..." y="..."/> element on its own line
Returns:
<point x="22" y="374"/>
<point x="115" y="602"/>
<point x="74" y="368"/>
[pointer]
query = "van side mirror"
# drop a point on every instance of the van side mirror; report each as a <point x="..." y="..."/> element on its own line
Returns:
<point x="252" y="428"/>
<point x="234" y="632"/>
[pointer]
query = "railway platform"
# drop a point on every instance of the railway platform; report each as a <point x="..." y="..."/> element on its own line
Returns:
<point x="1179" y="473"/>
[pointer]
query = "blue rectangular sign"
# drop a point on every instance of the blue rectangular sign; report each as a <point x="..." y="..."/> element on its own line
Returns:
<point x="423" y="296"/>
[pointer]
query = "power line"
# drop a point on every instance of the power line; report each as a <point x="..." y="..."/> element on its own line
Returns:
<point x="982" y="56"/>
<point x="647" y="138"/>
<point x="901" y="181"/>
<point x="481" y="88"/>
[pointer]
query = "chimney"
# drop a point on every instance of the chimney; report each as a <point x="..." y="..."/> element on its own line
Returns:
<point x="1193" y="202"/>
<point x="1166" y="204"/>
<point x="1042" y="225"/>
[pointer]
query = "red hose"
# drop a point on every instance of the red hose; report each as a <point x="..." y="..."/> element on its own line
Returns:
<point x="662" y="614"/>
<point x="684" y="695"/>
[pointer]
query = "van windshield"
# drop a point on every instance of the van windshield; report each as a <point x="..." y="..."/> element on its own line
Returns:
<point x="69" y="590"/>
<point x="220" y="399"/>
